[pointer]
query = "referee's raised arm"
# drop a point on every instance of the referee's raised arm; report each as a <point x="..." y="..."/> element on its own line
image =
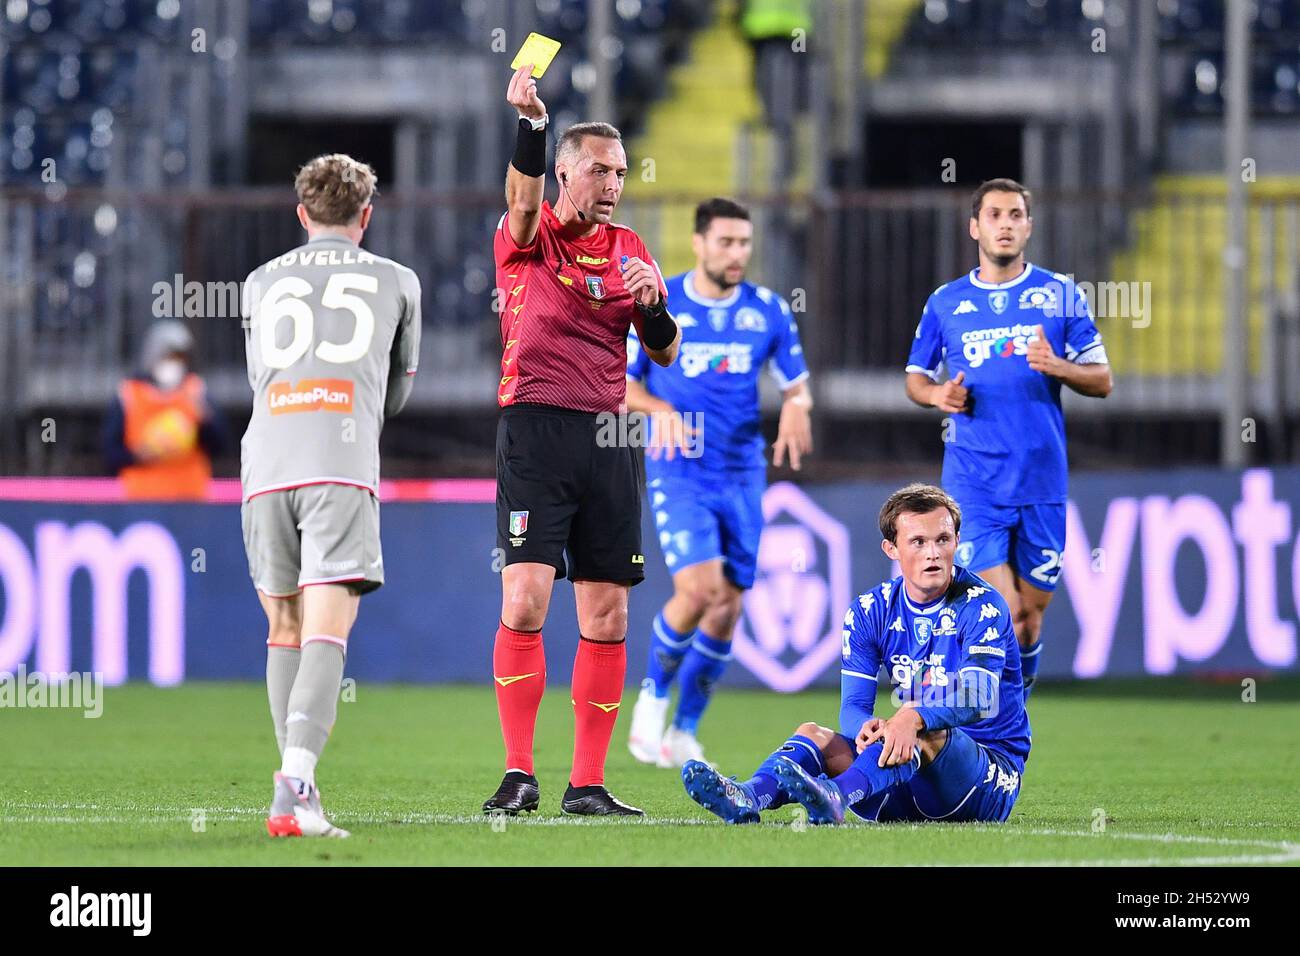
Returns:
<point x="526" y="174"/>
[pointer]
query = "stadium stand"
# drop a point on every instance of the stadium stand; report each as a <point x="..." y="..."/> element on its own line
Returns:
<point x="139" y="128"/>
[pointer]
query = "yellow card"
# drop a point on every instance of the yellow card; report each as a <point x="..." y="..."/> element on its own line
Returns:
<point x="537" y="50"/>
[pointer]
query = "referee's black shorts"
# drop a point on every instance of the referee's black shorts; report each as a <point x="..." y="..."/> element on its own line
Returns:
<point x="559" y="490"/>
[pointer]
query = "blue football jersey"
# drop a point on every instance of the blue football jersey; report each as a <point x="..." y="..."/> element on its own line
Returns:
<point x="1010" y="448"/>
<point x="725" y="344"/>
<point x="924" y="650"/>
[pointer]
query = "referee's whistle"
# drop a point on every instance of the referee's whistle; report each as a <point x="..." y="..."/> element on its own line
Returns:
<point x="622" y="263"/>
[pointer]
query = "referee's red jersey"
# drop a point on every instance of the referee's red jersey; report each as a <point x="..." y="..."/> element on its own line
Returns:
<point x="565" y="315"/>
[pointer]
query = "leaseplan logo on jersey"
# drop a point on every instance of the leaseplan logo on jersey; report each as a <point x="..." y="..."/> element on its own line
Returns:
<point x="790" y="630"/>
<point x="311" y="395"/>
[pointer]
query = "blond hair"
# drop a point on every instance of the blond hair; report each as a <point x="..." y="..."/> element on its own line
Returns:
<point x="335" y="188"/>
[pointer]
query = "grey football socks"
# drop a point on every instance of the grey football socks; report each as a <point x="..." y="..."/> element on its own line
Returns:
<point x="281" y="669"/>
<point x="313" y="705"/>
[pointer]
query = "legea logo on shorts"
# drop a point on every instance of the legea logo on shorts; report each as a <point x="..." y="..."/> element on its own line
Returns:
<point x="311" y="395"/>
<point x="790" y="630"/>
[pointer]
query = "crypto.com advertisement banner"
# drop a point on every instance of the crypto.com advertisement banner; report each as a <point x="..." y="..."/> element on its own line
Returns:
<point x="1163" y="573"/>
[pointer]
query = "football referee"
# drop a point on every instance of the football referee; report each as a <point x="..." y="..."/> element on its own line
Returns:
<point x="571" y="284"/>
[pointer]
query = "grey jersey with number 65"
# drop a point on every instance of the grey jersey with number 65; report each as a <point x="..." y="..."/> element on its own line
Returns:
<point x="332" y="334"/>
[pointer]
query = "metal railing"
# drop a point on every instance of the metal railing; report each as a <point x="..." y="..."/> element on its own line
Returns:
<point x="85" y="276"/>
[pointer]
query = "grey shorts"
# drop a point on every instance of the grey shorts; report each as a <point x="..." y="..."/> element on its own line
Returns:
<point x="316" y="534"/>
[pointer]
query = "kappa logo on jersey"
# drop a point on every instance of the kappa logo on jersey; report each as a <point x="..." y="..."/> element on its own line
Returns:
<point x="696" y="358"/>
<point x="990" y="634"/>
<point x="975" y="591"/>
<point x="718" y="319"/>
<point x="980" y="345"/>
<point x="998" y="301"/>
<point x="596" y="287"/>
<point x="898" y="625"/>
<point x="750" y="320"/>
<point x="1040" y="297"/>
<point x="686" y="321"/>
<point x="310" y="395"/>
<point x="965" y="306"/>
<point x="988" y="610"/>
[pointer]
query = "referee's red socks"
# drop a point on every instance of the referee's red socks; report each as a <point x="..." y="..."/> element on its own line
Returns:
<point x="598" y="673"/>
<point x="519" y="677"/>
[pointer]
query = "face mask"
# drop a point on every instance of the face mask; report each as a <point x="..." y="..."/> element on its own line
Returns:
<point x="168" y="373"/>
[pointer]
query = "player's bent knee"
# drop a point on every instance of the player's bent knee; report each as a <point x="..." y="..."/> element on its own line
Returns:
<point x="931" y="744"/>
<point x="818" y="734"/>
<point x="718" y="622"/>
<point x="698" y="600"/>
<point x="1028" y="623"/>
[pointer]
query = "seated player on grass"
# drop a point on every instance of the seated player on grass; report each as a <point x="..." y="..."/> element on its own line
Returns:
<point x="956" y="747"/>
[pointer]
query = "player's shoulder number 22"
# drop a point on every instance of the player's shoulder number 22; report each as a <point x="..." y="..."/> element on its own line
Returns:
<point x="284" y="300"/>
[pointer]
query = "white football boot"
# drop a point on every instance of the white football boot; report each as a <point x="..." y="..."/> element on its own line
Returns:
<point x="648" y="719"/>
<point x="296" y="811"/>
<point x="678" y="747"/>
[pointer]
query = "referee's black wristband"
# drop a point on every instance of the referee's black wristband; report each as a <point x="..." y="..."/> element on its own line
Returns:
<point x="530" y="149"/>
<point x="658" y="329"/>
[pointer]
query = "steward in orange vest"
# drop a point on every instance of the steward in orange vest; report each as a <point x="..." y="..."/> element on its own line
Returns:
<point x="161" y="433"/>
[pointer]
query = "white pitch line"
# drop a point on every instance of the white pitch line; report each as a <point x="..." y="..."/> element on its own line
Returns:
<point x="1281" y="851"/>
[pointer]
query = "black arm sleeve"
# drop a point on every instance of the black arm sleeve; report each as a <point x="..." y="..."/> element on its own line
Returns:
<point x="658" y="328"/>
<point x="530" y="149"/>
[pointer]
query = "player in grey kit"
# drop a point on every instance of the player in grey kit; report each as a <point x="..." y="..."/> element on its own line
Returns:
<point x="333" y="338"/>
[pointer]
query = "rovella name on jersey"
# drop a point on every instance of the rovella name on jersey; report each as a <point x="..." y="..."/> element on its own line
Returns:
<point x="321" y="257"/>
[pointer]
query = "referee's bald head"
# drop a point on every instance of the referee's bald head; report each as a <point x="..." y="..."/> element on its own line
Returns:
<point x="569" y="146"/>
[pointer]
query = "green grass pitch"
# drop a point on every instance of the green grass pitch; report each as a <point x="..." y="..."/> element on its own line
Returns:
<point x="1182" y="773"/>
